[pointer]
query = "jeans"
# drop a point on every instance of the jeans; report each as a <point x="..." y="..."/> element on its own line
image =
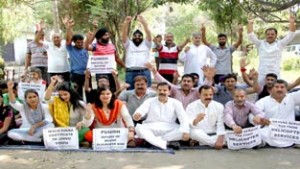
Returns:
<point x="132" y="73"/>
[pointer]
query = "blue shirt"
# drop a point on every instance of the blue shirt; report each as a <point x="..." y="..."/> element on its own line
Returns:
<point x="78" y="59"/>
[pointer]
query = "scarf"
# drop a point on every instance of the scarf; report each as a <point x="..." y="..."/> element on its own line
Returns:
<point x="34" y="116"/>
<point x="113" y="115"/>
<point x="60" y="112"/>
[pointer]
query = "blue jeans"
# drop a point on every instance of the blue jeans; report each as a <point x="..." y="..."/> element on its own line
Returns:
<point x="132" y="73"/>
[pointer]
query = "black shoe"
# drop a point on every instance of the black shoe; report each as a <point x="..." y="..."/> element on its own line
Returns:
<point x="174" y="144"/>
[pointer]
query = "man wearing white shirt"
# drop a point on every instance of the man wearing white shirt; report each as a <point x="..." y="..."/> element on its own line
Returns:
<point x="196" y="56"/>
<point x="270" y="49"/>
<point x="160" y="125"/>
<point x="137" y="52"/>
<point x="279" y="105"/>
<point x="206" y="119"/>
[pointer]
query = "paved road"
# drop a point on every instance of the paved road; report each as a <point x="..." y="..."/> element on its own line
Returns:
<point x="188" y="159"/>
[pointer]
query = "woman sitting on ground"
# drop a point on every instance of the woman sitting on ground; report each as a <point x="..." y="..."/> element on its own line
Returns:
<point x="6" y="120"/>
<point x="67" y="109"/>
<point x="35" y="116"/>
<point x="36" y="76"/>
<point x="110" y="113"/>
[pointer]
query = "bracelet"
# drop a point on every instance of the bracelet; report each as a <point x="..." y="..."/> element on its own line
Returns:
<point x="243" y="69"/>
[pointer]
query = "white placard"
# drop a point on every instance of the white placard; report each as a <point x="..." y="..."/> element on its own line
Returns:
<point x="61" y="138"/>
<point x="110" y="139"/>
<point x="249" y="138"/>
<point x="101" y="64"/>
<point x="22" y="87"/>
<point x="285" y="130"/>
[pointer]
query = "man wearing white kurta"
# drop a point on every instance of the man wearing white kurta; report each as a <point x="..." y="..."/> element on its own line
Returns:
<point x="279" y="105"/>
<point x="270" y="50"/>
<point x="206" y="119"/>
<point x="196" y="56"/>
<point x="160" y="126"/>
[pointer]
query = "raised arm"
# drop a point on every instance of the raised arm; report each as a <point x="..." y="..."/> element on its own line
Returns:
<point x="243" y="64"/>
<point x="252" y="37"/>
<point x="182" y="45"/>
<point x="49" y="90"/>
<point x="290" y="36"/>
<point x="117" y="82"/>
<point x="256" y="88"/>
<point x="89" y="39"/>
<point x="11" y="95"/>
<point x="294" y="84"/>
<point x="125" y="29"/>
<point x="37" y="38"/>
<point x="203" y="35"/>
<point x="87" y="80"/>
<point x="69" y="23"/>
<point x="240" y="38"/>
<point x="146" y="28"/>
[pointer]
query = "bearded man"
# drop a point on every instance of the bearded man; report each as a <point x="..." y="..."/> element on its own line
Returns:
<point x="137" y="52"/>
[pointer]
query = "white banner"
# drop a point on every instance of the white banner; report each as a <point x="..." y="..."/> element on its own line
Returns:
<point x="61" y="138"/>
<point x="249" y="138"/>
<point x="285" y="130"/>
<point x="22" y="87"/>
<point x="101" y="64"/>
<point x="110" y="139"/>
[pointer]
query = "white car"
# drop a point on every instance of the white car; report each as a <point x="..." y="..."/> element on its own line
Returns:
<point x="291" y="51"/>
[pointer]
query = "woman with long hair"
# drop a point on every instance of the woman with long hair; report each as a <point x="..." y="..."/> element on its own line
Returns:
<point x="67" y="109"/>
<point x="110" y="113"/>
<point x="35" y="116"/>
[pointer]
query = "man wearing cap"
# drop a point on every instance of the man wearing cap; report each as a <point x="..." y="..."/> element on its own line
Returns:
<point x="137" y="52"/>
<point x="102" y="48"/>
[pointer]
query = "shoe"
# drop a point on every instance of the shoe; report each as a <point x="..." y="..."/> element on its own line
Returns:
<point x="174" y="144"/>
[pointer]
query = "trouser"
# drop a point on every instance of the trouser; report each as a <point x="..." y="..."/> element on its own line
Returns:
<point x="79" y="80"/>
<point x="22" y="133"/>
<point x="168" y="77"/>
<point x="204" y="138"/>
<point x="265" y="136"/>
<point x="158" y="137"/>
<point x="132" y="73"/>
<point x="3" y="138"/>
<point x="65" y="76"/>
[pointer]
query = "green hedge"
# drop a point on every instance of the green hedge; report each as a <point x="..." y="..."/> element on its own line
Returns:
<point x="291" y="64"/>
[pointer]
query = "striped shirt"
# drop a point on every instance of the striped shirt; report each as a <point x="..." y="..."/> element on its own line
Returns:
<point x="38" y="54"/>
<point x="108" y="49"/>
<point x="168" y="58"/>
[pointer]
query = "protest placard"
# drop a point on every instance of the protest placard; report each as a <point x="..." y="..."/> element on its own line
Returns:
<point x="285" y="130"/>
<point x="110" y="139"/>
<point x="22" y="87"/>
<point x="61" y="138"/>
<point x="101" y="64"/>
<point x="249" y="138"/>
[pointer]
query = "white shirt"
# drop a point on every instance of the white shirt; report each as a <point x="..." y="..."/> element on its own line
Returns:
<point x="137" y="56"/>
<point x="196" y="57"/>
<point x="270" y="53"/>
<point x="213" y="119"/>
<point x="284" y="110"/>
<point x="164" y="114"/>
<point x="57" y="57"/>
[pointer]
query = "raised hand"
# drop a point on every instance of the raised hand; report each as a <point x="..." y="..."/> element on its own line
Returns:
<point x="202" y="29"/>
<point x="187" y="49"/>
<point x="42" y="25"/>
<point x="253" y="74"/>
<point x="250" y="20"/>
<point x="128" y="19"/>
<point x="141" y="19"/>
<point x="292" y="18"/>
<point x="54" y="79"/>
<point x="114" y="72"/>
<point x="244" y="62"/>
<point x="241" y="29"/>
<point x="10" y="84"/>
<point x="209" y="72"/>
